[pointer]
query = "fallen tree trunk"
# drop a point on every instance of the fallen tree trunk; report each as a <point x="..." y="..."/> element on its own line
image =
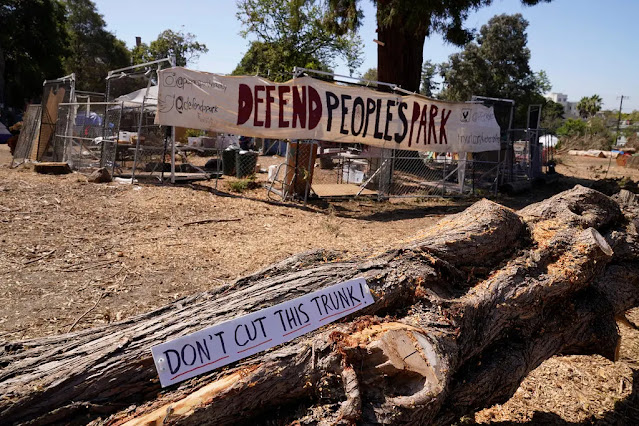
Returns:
<point x="462" y="313"/>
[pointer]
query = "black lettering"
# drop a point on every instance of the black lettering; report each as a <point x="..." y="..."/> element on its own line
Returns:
<point x="442" y="126"/>
<point x="325" y="302"/>
<point x="389" y="117"/>
<point x="279" y="312"/>
<point x="335" y="302"/>
<point x="184" y="355"/>
<point x="377" y="134"/>
<point x="332" y="102"/>
<point x="350" y="294"/>
<point x="370" y="108"/>
<point x="260" y="319"/>
<point x="345" y="98"/>
<point x="402" y="117"/>
<point x="167" y="354"/>
<point x="202" y="350"/>
<point x="357" y="102"/>
<point x="219" y="335"/>
<point x="290" y="317"/>
<point x="236" y="341"/>
<point x="303" y="312"/>
<point x="342" y="297"/>
<point x="317" y="303"/>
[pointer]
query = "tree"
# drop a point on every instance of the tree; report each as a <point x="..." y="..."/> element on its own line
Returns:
<point x="589" y="106"/>
<point x="94" y="50"/>
<point x="552" y="116"/>
<point x="461" y="314"/>
<point x="370" y="74"/>
<point x="402" y="27"/>
<point x="303" y="33"/>
<point x="33" y="40"/>
<point x="428" y="85"/>
<point x="265" y="59"/>
<point x="183" y="46"/>
<point x="496" y="65"/>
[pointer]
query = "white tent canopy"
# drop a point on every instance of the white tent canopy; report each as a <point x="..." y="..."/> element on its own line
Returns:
<point x="135" y="99"/>
<point x="548" y="140"/>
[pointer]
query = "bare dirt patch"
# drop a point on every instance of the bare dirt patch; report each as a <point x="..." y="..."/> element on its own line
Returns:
<point x="78" y="254"/>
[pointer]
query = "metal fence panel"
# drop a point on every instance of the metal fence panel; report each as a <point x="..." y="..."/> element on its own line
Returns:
<point x="86" y="135"/>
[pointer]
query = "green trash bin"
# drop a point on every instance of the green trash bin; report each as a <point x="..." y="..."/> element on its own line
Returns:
<point x="228" y="161"/>
<point x="245" y="162"/>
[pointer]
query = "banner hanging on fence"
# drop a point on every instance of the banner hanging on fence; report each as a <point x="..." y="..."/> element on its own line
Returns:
<point x="306" y="108"/>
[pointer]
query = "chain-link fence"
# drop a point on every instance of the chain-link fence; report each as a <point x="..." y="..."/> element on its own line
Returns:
<point x="417" y="174"/>
<point x="337" y="172"/>
<point x="86" y="135"/>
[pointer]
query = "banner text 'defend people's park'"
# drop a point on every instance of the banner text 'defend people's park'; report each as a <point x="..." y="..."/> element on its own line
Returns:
<point x="306" y="108"/>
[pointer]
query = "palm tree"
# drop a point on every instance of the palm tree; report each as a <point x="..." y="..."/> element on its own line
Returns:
<point x="589" y="106"/>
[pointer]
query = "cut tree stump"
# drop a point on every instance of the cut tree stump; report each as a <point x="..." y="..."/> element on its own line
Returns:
<point x="462" y="313"/>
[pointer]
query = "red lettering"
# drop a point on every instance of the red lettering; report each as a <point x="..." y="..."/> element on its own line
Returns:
<point x="431" y="124"/>
<point x="442" y="126"/>
<point x="258" y="100"/>
<point x="281" y="90"/>
<point x="422" y="125"/>
<point x="245" y="104"/>
<point x="314" y="108"/>
<point x="412" y="122"/>
<point x="299" y="106"/>
<point x="269" y="101"/>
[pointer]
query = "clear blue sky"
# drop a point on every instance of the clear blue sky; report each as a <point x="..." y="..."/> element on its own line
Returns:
<point x="585" y="46"/>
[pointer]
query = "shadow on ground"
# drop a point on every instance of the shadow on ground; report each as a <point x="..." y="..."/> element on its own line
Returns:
<point x="387" y="211"/>
<point x="625" y="412"/>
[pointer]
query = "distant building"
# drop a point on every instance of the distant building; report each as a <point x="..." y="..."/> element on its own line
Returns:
<point x="570" y="108"/>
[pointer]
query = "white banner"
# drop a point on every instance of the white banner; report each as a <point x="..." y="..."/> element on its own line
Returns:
<point x="224" y="343"/>
<point x="306" y="108"/>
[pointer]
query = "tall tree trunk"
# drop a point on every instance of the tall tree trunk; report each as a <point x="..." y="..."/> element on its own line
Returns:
<point x="462" y="313"/>
<point x="399" y="60"/>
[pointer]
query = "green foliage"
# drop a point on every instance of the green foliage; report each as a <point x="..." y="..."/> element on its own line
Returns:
<point x="589" y="106"/>
<point x="370" y="74"/>
<point x="94" y="50"/>
<point x="192" y="133"/>
<point x="303" y="33"/>
<point x="572" y="127"/>
<point x="242" y="185"/>
<point x="428" y="84"/>
<point x="552" y="116"/>
<point x="33" y="40"/>
<point x="496" y="65"/>
<point x="183" y="46"/>
<point x="409" y="22"/>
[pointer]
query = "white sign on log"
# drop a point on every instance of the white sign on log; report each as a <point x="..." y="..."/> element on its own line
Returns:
<point x="232" y="340"/>
<point x="306" y="108"/>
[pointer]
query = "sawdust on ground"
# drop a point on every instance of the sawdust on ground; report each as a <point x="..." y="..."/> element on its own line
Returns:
<point x="78" y="254"/>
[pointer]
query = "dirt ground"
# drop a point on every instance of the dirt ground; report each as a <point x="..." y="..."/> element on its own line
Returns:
<point x="75" y="255"/>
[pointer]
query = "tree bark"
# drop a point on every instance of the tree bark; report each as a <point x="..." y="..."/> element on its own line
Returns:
<point x="462" y="313"/>
<point x="399" y="55"/>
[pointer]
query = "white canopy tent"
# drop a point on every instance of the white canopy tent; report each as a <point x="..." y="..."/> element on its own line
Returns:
<point x="134" y="99"/>
<point x="549" y="140"/>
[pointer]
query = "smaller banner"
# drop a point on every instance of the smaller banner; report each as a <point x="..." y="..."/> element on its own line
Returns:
<point x="306" y="108"/>
<point x="224" y="343"/>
